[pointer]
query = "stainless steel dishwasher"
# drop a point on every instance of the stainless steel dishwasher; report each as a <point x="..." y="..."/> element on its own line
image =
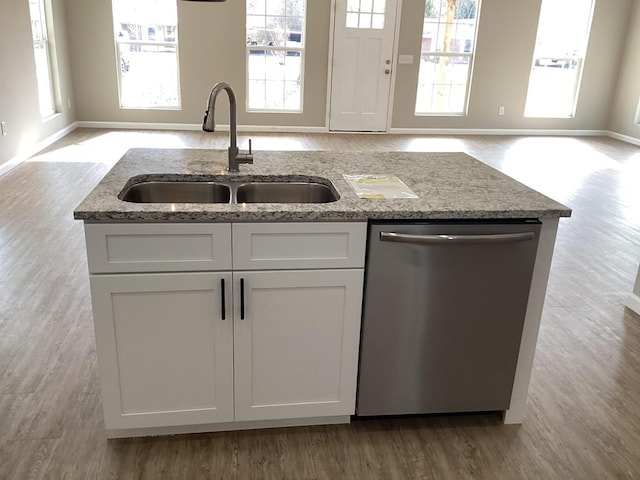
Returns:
<point x="444" y="308"/>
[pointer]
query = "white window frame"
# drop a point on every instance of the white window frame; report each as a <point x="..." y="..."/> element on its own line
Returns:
<point x="470" y="59"/>
<point x="49" y="82"/>
<point x="284" y="49"/>
<point x="578" y="59"/>
<point x="119" y="41"/>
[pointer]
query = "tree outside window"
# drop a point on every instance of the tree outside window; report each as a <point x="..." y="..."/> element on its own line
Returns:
<point x="448" y="44"/>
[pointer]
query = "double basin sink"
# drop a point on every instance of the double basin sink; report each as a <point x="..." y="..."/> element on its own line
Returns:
<point x="184" y="189"/>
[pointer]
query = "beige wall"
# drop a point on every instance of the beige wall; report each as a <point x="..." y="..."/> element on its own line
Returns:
<point x="18" y="86"/>
<point x="505" y="43"/>
<point x="625" y="107"/>
<point x="211" y="47"/>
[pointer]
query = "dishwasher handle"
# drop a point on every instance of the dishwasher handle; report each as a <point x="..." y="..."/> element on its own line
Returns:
<point x="456" y="239"/>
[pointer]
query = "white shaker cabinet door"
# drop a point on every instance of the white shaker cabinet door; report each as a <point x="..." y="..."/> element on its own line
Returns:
<point x="296" y="343"/>
<point x="165" y="348"/>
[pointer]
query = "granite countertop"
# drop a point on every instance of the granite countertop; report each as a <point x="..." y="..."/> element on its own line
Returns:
<point x="450" y="186"/>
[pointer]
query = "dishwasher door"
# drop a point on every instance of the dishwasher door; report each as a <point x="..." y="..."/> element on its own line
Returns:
<point x="443" y="314"/>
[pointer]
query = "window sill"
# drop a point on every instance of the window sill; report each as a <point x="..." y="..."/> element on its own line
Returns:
<point x="298" y="112"/>
<point x="52" y="117"/>
<point x="171" y="109"/>
<point x="550" y="117"/>
<point x="440" y="114"/>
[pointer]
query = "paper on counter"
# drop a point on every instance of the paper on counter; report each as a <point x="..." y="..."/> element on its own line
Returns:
<point x="379" y="186"/>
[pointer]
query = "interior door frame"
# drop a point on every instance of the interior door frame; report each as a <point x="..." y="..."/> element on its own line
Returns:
<point x="394" y="63"/>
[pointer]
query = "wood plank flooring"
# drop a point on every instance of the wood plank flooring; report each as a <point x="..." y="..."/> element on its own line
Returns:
<point x="584" y="400"/>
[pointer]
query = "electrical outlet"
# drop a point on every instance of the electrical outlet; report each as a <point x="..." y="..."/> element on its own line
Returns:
<point x="3" y="127"/>
<point x="501" y="111"/>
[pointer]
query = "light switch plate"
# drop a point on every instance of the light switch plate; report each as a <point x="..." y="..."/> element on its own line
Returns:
<point x="406" y="59"/>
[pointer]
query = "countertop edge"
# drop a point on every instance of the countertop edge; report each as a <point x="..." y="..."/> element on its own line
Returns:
<point x="210" y="217"/>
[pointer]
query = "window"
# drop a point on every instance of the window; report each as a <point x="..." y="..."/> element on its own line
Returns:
<point x="563" y="31"/>
<point x="448" y="44"/>
<point x="41" y="51"/>
<point x="275" y="55"/>
<point x="366" y="14"/>
<point x="147" y="53"/>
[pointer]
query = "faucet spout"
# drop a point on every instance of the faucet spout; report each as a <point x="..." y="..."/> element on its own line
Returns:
<point x="209" y="125"/>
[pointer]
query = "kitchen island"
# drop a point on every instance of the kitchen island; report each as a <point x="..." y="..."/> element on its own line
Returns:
<point x="208" y="258"/>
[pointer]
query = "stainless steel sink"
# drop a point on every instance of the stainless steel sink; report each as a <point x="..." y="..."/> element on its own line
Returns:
<point x="260" y="190"/>
<point x="177" y="192"/>
<point x="285" y="192"/>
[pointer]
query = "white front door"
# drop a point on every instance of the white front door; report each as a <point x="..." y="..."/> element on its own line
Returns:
<point x="363" y="39"/>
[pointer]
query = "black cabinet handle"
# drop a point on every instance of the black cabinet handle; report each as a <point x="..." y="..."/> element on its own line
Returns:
<point x="242" y="299"/>
<point x="223" y="303"/>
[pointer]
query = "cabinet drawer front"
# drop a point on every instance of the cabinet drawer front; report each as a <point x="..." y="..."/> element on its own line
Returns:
<point x="261" y="246"/>
<point x="158" y="247"/>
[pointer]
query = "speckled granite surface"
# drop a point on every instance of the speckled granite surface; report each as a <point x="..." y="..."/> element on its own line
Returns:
<point x="450" y="186"/>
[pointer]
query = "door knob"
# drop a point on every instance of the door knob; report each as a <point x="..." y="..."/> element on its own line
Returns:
<point x="387" y="71"/>
<point x="388" y="62"/>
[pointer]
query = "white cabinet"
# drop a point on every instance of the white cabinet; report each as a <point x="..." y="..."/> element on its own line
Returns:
<point x="180" y="344"/>
<point x="165" y="353"/>
<point x="296" y="346"/>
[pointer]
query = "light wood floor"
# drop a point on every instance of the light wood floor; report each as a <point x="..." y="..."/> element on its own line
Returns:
<point x="584" y="401"/>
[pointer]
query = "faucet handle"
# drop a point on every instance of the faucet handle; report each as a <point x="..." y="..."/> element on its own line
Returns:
<point x="250" y="152"/>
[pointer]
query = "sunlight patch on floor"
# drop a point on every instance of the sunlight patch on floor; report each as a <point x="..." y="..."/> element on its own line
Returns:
<point x="558" y="167"/>
<point x="435" y="145"/>
<point x="107" y="148"/>
<point x="629" y="189"/>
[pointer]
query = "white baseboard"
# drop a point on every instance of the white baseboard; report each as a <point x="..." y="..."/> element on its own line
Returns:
<point x="32" y="150"/>
<point x="140" y="125"/>
<point x="303" y="129"/>
<point x="497" y="131"/>
<point x="227" y="426"/>
<point x="193" y="126"/>
<point x="633" y="302"/>
<point x="624" y="138"/>
<point x="11" y="164"/>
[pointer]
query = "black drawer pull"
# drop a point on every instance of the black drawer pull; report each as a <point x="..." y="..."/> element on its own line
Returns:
<point x="242" y="299"/>
<point x="223" y="303"/>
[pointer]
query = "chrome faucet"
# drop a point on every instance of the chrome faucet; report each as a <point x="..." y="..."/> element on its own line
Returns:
<point x="209" y="125"/>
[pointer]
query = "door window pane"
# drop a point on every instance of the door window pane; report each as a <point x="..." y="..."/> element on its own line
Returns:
<point x="359" y="14"/>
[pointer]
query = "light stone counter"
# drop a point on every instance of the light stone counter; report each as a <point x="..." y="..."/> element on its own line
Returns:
<point x="450" y="186"/>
